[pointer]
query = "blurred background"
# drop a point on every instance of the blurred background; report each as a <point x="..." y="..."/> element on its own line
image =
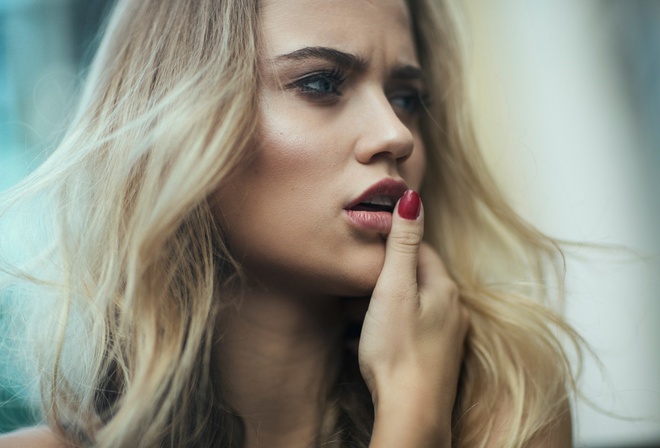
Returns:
<point x="567" y="101"/>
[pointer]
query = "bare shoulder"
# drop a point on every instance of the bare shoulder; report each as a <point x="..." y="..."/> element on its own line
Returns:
<point x="39" y="437"/>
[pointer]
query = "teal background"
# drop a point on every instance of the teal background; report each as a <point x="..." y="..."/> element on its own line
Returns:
<point x="45" y="47"/>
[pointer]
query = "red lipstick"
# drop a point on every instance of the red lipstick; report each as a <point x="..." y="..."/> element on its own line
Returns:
<point x="372" y="210"/>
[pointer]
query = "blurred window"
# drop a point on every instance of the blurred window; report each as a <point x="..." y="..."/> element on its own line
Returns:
<point x="44" y="46"/>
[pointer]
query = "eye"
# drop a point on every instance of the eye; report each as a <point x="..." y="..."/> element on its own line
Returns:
<point x="409" y="102"/>
<point x="321" y="83"/>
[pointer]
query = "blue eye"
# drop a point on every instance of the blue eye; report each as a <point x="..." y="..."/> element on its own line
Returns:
<point x="321" y="83"/>
<point x="409" y="102"/>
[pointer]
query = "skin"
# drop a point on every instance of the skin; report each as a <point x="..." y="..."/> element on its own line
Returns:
<point x="285" y="219"/>
<point x="320" y="145"/>
<point x="309" y="270"/>
<point x="315" y="153"/>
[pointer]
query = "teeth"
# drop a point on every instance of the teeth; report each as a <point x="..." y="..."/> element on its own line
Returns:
<point x="381" y="200"/>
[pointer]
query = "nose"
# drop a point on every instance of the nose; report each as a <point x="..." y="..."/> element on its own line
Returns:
<point x="382" y="134"/>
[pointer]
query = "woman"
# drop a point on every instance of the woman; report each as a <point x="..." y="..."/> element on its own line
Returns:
<point x="237" y="188"/>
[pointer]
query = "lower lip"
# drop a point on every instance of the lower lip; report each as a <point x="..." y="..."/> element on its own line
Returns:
<point x="380" y="222"/>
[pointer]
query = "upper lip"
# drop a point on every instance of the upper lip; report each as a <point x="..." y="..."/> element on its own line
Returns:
<point x="389" y="188"/>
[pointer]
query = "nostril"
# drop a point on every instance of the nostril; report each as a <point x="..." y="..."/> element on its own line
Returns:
<point x="382" y="133"/>
<point x="404" y="157"/>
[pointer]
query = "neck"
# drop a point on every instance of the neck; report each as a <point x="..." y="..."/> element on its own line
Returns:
<point x="277" y="357"/>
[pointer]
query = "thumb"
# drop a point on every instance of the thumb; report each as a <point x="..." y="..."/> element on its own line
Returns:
<point x="399" y="272"/>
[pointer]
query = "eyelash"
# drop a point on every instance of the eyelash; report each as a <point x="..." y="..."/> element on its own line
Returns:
<point x="420" y="100"/>
<point x="336" y="78"/>
<point x="333" y="77"/>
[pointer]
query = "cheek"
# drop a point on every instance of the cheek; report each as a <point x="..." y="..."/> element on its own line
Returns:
<point x="288" y="157"/>
<point x="272" y="210"/>
<point x="294" y="142"/>
<point x="412" y="170"/>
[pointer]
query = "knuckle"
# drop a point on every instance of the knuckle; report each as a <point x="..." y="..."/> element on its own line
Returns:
<point x="444" y="291"/>
<point x="449" y="289"/>
<point x="398" y="292"/>
<point x="406" y="240"/>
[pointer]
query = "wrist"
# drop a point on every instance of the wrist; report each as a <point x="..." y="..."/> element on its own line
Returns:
<point x="411" y="420"/>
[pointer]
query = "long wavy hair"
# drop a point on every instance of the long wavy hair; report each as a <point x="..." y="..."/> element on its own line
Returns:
<point x="135" y="270"/>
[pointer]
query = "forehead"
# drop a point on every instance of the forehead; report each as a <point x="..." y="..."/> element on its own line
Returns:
<point x="363" y="27"/>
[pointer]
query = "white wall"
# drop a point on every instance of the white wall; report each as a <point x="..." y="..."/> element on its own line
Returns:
<point x="561" y="133"/>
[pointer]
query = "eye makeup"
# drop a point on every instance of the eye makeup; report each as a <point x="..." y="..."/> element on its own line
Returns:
<point x="321" y="75"/>
<point x="320" y="83"/>
<point x="408" y="101"/>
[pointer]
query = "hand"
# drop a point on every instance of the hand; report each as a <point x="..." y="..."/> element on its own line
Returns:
<point x="411" y="347"/>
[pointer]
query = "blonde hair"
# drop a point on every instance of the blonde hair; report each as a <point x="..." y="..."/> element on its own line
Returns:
<point x="516" y="363"/>
<point x="142" y="267"/>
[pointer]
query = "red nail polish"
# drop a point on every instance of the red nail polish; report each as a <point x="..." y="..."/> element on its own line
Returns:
<point x="410" y="205"/>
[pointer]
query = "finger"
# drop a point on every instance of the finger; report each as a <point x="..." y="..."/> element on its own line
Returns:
<point x="431" y="270"/>
<point x="399" y="273"/>
<point x="439" y="294"/>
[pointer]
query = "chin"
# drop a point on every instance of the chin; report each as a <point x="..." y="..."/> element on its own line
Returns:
<point x="349" y="273"/>
<point x="360" y="269"/>
<point x="361" y="280"/>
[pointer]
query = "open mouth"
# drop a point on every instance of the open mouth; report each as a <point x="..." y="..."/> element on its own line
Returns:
<point x="372" y="210"/>
<point x="378" y="203"/>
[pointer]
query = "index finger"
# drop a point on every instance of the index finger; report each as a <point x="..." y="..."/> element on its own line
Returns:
<point x="399" y="273"/>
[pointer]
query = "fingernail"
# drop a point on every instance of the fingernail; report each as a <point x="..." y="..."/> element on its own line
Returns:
<point x="410" y="205"/>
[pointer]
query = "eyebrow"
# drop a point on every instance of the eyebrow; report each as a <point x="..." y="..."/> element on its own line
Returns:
<point x="349" y="61"/>
<point x="344" y="60"/>
<point x="407" y="73"/>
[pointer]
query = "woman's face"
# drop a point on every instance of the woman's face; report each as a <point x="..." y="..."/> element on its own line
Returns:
<point x="338" y="143"/>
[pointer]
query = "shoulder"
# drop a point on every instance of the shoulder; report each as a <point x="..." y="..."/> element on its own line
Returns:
<point x="39" y="437"/>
